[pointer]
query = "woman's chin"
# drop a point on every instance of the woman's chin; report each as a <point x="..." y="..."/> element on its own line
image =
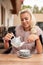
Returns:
<point x="26" y="26"/>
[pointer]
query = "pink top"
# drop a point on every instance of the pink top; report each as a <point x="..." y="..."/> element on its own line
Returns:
<point x="24" y="34"/>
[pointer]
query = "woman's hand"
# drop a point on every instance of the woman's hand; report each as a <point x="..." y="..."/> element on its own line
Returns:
<point x="8" y="36"/>
<point x="32" y="38"/>
<point x="6" y="39"/>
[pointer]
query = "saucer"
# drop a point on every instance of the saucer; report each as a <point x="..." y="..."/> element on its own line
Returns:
<point x="24" y="57"/>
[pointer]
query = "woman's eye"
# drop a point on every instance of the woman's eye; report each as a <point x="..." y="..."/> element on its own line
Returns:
<point x="21" y="19"/>
<point x="26" y="18"/>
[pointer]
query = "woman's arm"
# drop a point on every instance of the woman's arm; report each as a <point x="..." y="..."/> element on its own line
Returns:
<point x="38" y="46"/>
<point x="6" y="39"/>
<point x="34" y="37"/>
<point x="6" y="44"/>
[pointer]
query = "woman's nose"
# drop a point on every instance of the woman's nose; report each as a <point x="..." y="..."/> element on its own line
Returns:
<point x="24" y="20"/>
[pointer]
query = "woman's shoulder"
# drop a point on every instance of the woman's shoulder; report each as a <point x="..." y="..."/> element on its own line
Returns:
<point x="38" y="28"/>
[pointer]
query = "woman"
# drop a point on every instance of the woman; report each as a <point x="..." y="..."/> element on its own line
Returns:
<point x="28" y="31"/>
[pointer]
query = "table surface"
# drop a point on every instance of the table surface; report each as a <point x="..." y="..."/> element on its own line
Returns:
<point x="13" y="59"/>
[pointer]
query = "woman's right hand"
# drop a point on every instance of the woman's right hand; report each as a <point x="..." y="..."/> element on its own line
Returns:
<point x="6" y="39"/>
<point x="8" y="36"/>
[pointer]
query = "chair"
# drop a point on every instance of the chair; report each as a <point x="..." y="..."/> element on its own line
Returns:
<point x="3" y="32"/>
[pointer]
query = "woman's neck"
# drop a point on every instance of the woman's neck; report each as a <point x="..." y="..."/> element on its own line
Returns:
<point x="27" y="29"/>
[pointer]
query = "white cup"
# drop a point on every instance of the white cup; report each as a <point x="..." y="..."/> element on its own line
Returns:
<point x="24" y="52"/>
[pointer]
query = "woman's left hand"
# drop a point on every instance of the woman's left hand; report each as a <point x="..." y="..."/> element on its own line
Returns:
<point x="32" y="38"/>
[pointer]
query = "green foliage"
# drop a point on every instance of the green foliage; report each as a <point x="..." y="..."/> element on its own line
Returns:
<point x="41" y="11"/>
<point x="24" y="6"/>
<point x="35" y="8"/>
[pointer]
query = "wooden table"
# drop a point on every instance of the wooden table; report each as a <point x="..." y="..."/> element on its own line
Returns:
<point x="12" y="59"/>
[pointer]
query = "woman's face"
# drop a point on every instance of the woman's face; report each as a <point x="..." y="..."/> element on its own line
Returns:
<point x="25" y="20"/>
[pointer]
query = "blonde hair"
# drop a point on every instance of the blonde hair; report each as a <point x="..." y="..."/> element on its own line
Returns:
<point x="33" y="20"/>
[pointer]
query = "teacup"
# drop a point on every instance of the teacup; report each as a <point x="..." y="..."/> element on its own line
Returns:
<point x="24" y="52"/>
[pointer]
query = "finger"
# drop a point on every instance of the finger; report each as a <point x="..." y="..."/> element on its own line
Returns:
<point x="30" y="40"/>
<point x="7" y="38"/>
<point x="12" y="34"/>
<point x="9" y="35"/>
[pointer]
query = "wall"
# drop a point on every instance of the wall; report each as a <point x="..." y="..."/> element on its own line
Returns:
<point x="39" y="17"/>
